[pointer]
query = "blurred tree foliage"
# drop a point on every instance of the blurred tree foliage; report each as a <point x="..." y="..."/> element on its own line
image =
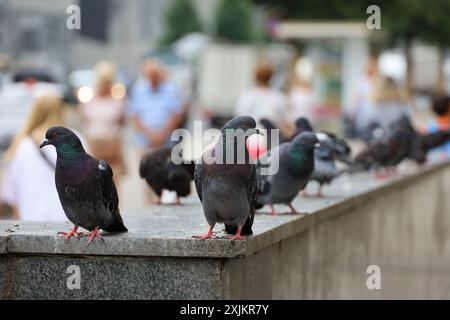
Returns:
<point x="180" y="19"/>
<point x="403" y="20"/>
<point x="234" y="20"/>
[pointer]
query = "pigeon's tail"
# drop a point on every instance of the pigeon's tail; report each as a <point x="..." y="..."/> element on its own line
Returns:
<point x="434" y="140"/>
<point x="246" y="228"/>
<point x="258" y="205"/>
<point x="117" y="225"/>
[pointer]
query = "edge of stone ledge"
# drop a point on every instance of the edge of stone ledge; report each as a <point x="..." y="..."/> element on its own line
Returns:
<point x="141" y="246"/>
<point x="3" y="242"/>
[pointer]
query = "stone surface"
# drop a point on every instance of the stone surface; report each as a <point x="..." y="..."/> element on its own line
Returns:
<point x="405" y="231"/>
<point x="39" y="277"/>
<point x="167" y="230"/>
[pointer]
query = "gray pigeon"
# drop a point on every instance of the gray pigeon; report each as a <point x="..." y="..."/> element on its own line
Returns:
<point x="295" y="166"/>
<point x="85" y="186"/>
<point x="325" y="156"/>
<point x="325" y="169"/>
<point x="228" y="191"/>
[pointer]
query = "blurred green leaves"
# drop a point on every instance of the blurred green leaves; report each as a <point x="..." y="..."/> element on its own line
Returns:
<point x="234" y="21"/>
<point x="180" y="19"/>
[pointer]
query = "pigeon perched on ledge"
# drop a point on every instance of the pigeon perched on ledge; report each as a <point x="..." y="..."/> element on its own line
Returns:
<point x="295" y="166"/>
<point x="228" y="190"/>
<point x="403" y="142"/>
<point x="161" y="173"/>
<point x="85" y="186"/>
<point x="325" y="156"/>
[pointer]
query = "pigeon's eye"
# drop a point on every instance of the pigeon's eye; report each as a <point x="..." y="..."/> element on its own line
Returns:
<point x="55" y="135"/>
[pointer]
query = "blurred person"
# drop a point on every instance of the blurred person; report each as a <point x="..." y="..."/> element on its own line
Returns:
<point x="302" y="99"/>
<point x="361" y="112"/>
<point x="29" y="181"/>
<point x="103" y="120"/>
<point x="264" y="102"/>
<point x="155" y="106"/>
<point x="441" y="109"/>
<point x="388" y="104"/>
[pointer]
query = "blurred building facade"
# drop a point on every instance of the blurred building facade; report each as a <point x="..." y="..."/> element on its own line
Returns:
<point x="35" y="32"/>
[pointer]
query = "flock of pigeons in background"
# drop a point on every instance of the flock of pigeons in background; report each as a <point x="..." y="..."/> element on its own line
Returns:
<point x="230" y="193"/>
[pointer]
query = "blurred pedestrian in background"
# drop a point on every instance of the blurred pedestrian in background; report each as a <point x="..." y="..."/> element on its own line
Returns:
<point x="389" y="103"/>
<point x="103" y="120"/>
<point x="155" y="106"/>
<point x="362" y="111"/>
<point x="264" y="102"/>
<point x="28" y="184"/>
<point x="441" y="109"/>
<point x="303" y="101"/>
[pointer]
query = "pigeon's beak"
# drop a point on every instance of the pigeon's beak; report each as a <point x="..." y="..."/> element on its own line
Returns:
<point x="258" y="131"/>
<point x="45" y="143"/>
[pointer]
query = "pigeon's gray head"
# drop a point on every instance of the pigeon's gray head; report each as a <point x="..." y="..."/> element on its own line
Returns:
<point x="242" y="122"/>
<point x="61" y="137"/>
<point x="306" y="139"/>
<point x="245" y="123"/>
<point x="302" y="124"/>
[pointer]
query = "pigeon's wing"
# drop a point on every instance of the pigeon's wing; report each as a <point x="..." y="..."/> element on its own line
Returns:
<point x="252" y="194"/>
<point x="154" y="169"/>
<point x="199" y="173"/>
<point x="108" y="195"/>
<point x="179" y="180"/>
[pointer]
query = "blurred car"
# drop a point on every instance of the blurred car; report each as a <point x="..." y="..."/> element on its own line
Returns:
<point x="82" y="85"/>
<point x="16" y="98"/>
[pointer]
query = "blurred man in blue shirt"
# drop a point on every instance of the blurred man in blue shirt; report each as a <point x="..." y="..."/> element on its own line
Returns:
<point x="155" y="106"/>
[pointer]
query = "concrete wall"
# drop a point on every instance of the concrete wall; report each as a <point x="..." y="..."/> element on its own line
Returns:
<point x="404" y="229"/>
<point x="402" y="226"/>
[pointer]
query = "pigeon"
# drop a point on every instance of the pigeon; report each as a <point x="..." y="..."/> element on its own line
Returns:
<point x="85" y="186"/>
<point x="161" y="173"/>
<point x="269" y="126"/>
<point x="403" y="142"/>
<point x="228" y="191"/>
<point x="295" y="166"/>
<point x="325" y="169"/>
<point x="427" y="142"/>
<point x="325" y="156"/>
<point x="389" y="150"/>
<point x="301" y="125"/>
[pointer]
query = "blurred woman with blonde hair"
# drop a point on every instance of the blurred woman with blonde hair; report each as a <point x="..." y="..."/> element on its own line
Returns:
<point x="104" y="118"/>
<point x="29" y="181"/>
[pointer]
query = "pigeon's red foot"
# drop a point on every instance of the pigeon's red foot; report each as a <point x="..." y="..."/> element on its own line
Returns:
<point x="93" y="234"/>
<point x="303" y="194"/>
<point x="208" y="235"/>
<point x="319" y="193"/>
<point x="386" y="173"/>
<point x="273" y="212"/>
<point x="294" y="211"/>
<point x="237" y="236"/>
<point x="71" y="233"/>
<point x="157" y="201"/>
<point x="178" y="202"/>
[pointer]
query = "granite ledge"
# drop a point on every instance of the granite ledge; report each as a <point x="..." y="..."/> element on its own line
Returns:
<point x="166" y="231"/>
